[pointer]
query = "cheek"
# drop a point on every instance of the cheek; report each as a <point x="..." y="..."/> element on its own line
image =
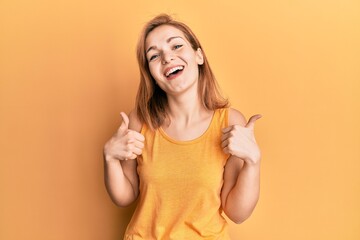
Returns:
<point x="190" y="58"/>
<point x="153" y="71"/>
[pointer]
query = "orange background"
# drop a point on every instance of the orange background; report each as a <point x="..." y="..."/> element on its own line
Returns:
<point x="67" y="68"/>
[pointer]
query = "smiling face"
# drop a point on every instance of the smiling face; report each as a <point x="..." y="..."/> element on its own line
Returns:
<point x="172" y="61"/>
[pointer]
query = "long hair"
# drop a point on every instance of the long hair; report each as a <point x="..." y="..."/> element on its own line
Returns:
<point x="151" y="101"/>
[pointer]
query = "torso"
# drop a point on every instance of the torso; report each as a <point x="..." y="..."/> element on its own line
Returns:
<point x="180" y="184"/>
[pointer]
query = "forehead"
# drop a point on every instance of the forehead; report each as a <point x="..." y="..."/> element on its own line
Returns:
<point x="162" y="34"/>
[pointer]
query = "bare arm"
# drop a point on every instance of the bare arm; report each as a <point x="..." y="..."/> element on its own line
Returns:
<point x="241" y="188"/>
<point x="120" y="153"/>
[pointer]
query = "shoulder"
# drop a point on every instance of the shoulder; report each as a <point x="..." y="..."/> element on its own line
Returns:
<point x="236" y="117"/>
<point x="134" y="122"/>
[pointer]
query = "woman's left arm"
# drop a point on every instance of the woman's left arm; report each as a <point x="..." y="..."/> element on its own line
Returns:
<point x="241" y="188"/>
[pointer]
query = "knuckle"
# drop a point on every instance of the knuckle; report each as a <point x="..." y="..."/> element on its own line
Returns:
<point x="121" y="129"/>
<point x="129" y="154"/>
<point x="127" y="148"/>
<point x="231" y="146"/>
<point x="128" y="133"/>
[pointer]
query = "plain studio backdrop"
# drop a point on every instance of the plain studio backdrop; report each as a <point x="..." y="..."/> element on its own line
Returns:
<point x="67" y="69"/>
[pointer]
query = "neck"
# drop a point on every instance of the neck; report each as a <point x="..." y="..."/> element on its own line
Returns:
<point x="185" y="109"/>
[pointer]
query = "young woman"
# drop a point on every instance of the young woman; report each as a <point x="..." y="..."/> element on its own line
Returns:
<point x="182" y="151"/>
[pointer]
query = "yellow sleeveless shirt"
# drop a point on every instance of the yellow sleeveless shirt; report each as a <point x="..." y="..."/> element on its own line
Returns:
<point x="180" y="185"/>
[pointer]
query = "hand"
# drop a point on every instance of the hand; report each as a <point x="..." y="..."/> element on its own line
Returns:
<point x="240" y="141"/>
<point x="125" y="144"/>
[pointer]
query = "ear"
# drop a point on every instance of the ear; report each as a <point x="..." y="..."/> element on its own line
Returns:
<point x="199" y="57"/>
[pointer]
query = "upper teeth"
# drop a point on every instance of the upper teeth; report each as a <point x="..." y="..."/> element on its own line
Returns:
<point x="173" y="70"/>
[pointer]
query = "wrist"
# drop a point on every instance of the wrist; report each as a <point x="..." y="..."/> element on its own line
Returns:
<point x="252" y="162"/>
<point x="110" y="159"/>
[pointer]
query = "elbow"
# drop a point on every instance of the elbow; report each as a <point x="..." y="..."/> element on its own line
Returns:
<point x="239" y="218"/>
<point x="240" y="211"/>
<point x="123" y="203"/>
<point x="239" y="215"/>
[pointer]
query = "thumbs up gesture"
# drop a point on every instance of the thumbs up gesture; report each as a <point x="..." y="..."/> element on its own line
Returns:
<point x="125" y="144"/>
<point x="240" y="141"/>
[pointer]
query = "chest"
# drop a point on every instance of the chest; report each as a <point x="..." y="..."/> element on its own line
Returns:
<point x="168" y="165"/>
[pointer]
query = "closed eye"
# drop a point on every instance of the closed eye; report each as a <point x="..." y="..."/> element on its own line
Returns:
<point x="153" y="57"/>
<point x="178" y="46"/>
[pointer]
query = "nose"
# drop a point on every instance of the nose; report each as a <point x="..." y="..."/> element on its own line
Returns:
<point x="167" y="57"/>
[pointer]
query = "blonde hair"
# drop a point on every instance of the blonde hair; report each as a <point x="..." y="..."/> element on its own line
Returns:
<point x="151" y="100"/>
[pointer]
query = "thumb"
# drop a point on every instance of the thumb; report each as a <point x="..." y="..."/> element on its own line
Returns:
<point x="251" y="123"/>
<point x="125" y="124"/>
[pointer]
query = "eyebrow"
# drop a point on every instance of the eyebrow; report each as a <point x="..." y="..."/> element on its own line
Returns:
<point x="168" y="40"/>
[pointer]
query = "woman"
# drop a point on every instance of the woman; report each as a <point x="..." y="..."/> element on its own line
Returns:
<point x="182" y="151"/>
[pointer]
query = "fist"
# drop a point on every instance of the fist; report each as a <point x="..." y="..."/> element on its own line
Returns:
<point x="240" y="141"/>
<point x="125" y="144"/>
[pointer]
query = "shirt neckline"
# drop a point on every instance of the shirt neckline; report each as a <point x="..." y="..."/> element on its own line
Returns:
<point x="186" y="142"/>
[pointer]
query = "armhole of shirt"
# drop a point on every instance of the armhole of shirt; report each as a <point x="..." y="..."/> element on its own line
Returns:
<point x="143" y="129"/>
<point x="227" y="117"/>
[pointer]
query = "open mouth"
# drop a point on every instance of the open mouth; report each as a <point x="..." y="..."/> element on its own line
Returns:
<point x="174" y="72"/>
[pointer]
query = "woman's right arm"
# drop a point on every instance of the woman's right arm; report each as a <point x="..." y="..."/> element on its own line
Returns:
<point x="120" y="153"/>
